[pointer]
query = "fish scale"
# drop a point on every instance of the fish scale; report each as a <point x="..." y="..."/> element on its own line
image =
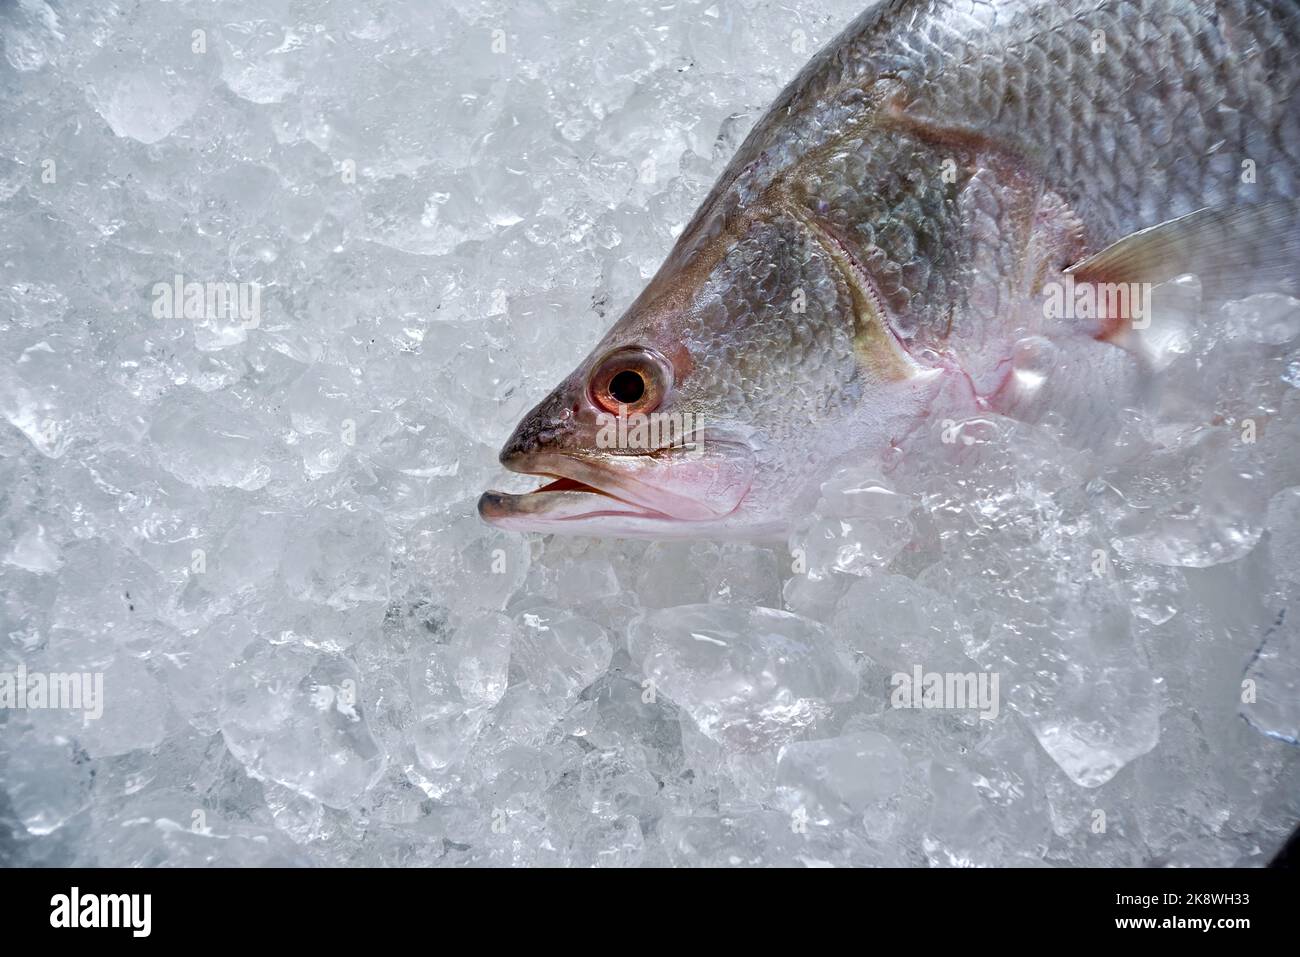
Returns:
<point x="997" y="70"/>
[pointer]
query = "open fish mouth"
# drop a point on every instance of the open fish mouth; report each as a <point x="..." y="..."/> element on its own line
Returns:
<point x="678" y="485"/>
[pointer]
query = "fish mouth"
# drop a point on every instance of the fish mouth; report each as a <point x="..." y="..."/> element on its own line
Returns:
<point x="700" y="483"/>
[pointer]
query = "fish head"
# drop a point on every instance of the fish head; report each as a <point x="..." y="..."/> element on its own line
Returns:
<point x="714" y="406"/>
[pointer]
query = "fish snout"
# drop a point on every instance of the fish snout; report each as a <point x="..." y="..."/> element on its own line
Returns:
<point x="550" y="426"/>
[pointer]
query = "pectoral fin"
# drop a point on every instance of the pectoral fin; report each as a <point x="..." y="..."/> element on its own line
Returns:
<point x="1235" y="252"/>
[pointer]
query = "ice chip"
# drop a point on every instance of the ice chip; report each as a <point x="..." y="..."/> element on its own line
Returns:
<point x="559" y="654"/>
<point x="750" y="678"/>
<point x="1270" y="695"/>
<point x="1267" y="317"/>
<point x="844" y="775"/>
<point x="293" y="717"/>
<point x="1283" y="522"/>
<point x="34" y="552"/>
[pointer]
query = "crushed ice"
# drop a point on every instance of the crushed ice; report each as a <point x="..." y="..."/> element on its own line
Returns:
<point x="259" y="529"/>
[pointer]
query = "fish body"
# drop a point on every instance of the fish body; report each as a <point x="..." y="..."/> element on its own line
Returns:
<point x="880" y="249"/>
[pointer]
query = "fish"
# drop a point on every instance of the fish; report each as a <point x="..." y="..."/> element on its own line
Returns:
<point x="884" y="247"/>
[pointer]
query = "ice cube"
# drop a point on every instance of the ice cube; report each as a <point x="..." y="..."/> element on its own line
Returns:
<point x="750" y="678"/>
<point x="292" y="717"/>
<point x="843" y="776"/>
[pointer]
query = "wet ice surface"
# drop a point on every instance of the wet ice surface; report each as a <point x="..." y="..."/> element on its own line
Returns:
<point x="262" y="534"/>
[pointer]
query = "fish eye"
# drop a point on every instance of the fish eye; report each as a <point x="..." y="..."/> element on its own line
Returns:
<point x="633" y="379"/>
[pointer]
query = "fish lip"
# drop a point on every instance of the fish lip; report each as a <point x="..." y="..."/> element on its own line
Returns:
<point x="544" y="506"/>
<point x="538" y="510"/>
<point x="605" y="486"/>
